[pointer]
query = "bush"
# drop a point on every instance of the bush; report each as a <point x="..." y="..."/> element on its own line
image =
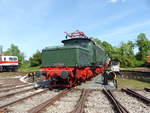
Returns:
<point x="35" y="60"/>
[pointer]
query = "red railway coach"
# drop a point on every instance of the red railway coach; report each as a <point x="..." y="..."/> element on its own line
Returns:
<point x="8" y="63"/>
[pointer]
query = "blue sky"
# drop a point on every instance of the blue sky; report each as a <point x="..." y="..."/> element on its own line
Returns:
<point x="35" y="24"/>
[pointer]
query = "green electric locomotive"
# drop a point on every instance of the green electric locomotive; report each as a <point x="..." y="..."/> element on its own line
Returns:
<point x="78" y="60"/>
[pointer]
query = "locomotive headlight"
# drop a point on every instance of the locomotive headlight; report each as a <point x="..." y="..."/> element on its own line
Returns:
<point x="65" y="74"/>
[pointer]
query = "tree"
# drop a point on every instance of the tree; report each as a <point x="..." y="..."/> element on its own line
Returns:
<point x="126" y="54"/>
<point x="14" y="50"/>
<point x="127" y="49"/>
<point x="98" y="42"/>
<point x="35" y="60"/>
<point x="143" y="45"/>
<point x="108" y="48"/>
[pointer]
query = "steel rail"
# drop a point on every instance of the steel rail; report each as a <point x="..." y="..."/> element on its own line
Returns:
<point x="8" y="81"/>
<point x="3" y="111"/>
<point x="11" y="81"/>
<point x="115" y="104"/>
<point x="17" y="92"/>
<point x="5" y="79"/>
<point x="126" y="111"/>
<point x="147" y="89"/>
<point x="120" y="108"/>
<point x="12" y="85"/>
<point x="16" y="87"/>
<point x="79" y="108"/>
<point x="137" y="95"/>
<point x="21" y="99"/>
<point x="39" y="108"/>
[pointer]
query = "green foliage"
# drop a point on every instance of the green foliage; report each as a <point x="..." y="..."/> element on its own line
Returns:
<point x="26" y="64"/>
<point x="98" y="42"/>
<point x="14" y="50"/>
<point x="108" y="47"/>
<point x="35" y="60"/>
<point x="28" y="68"/>
<point x="143" y="45"/>
<point x="125" y="53"/>
<point x="126" y="49"/>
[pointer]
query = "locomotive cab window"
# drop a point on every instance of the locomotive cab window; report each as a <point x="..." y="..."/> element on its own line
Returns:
<point x="15" y="59"/>
<point x="82" y="43"/>
<point x="10" y="59"/>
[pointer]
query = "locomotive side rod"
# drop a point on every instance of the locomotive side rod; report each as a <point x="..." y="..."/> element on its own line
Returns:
<point x="120" y="108"/>
<point x="137" y="95"/>
<point x="43" y="105"/>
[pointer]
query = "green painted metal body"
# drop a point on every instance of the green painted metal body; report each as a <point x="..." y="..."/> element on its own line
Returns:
<point x="75" y="52"/>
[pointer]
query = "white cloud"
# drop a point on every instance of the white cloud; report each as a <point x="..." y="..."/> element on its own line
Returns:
<point x="115" y="1"/>
<point x="126" y="29"/>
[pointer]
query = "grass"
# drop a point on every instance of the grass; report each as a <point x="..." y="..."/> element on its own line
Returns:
<point x="29" y="68"/>
<point x="130" y="83"/>
<point x="129" y="68"/>
<point x="135" y="68"/>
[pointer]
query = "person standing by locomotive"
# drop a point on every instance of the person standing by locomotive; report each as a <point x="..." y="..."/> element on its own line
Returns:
<point x="109" y="77"/>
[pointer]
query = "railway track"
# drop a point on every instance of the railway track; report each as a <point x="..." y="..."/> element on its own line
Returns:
<point x="25" y="99"/>
<point x="10" y="82"/>
<point x="77" y="101"/>
<point x="14" y="87"/>
<point x="132" y="101"/>
<point x="147" y="89"/>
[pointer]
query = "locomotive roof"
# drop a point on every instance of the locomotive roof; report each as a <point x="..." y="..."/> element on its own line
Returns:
<point x="84" y="39"/>
<point x="78" y="39"/>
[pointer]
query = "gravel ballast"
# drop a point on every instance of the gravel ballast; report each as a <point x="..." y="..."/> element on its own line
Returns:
<point x="97" y="102"/>
<point x="131" y="103"/>
<point x="66" y="104"/>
